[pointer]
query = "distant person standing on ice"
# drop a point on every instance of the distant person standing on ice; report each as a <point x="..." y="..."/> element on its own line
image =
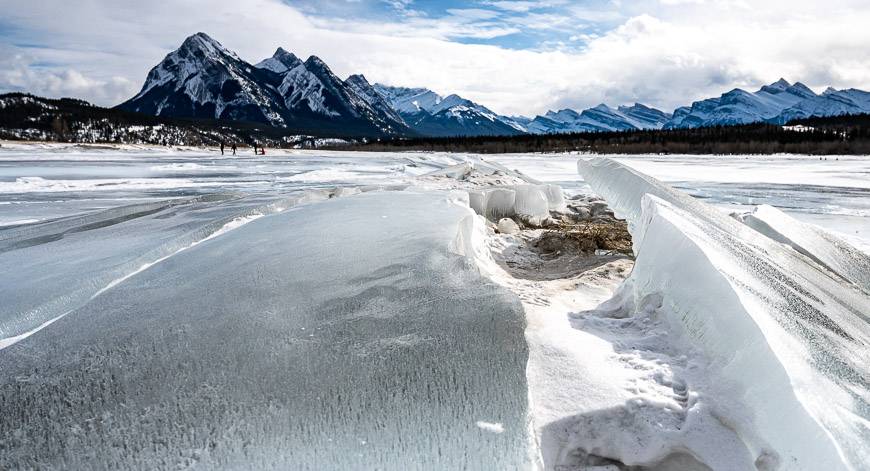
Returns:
<point x="234" y="148"/>
<point x="222" y="147"/>
<point x="255" y="148"/>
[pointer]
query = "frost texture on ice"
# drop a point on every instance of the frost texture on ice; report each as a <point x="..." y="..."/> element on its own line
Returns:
<point x="62" y="263"/>
<point x="784" y="338"/>
<point x="825" y="248"/>
<point x="339" y="335"/>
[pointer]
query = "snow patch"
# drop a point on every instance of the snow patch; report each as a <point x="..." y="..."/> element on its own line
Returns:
<point x="493" y="427"/>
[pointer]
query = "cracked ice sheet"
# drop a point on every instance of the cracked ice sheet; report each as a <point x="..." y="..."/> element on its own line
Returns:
<point x="338" y="335"/>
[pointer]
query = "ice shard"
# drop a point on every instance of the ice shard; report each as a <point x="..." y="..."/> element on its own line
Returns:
<point x="823" y="247"/>
<point x="787" y="341"/>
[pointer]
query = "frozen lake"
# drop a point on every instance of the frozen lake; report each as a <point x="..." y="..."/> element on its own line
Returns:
<point x="52" y="181"/>
<point x="301" y="310"/>
<point x="832" y="193"/>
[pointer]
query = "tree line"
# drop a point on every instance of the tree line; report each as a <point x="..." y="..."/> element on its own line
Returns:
<point x="846" y="135"/>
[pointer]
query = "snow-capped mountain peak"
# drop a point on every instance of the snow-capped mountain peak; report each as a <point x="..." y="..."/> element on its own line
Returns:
<point x="599" y="118"/>
<point x="431" y="114"/>
<point x="409" y="100"/>
<point x="779" y="86"/>
<point x="802" y="90"/>
<point x="203" y="79"/>
<point x="379" y="108"/>
<point x="208" y="46"/>
<point x="280" y="62"/>
<point x="742" y="107"/>
<point x="563" y="116"/>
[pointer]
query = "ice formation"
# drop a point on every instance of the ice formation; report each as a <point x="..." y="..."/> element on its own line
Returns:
<point x="530" y="202"/>
<point x="339" y="335"/>
<point x="823" y="247"/>
<point x="785" y="340"/>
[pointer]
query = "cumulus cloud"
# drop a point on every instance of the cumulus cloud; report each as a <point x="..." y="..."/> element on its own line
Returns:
<point x="658" y="52"/>
<point x="18" y="73"/>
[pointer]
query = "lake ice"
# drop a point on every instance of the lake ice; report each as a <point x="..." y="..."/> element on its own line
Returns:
<point x="330" y="310"/>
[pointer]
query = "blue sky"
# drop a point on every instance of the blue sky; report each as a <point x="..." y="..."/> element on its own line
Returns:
<point x="511" y="24"/>
<point x="514" y="56"/>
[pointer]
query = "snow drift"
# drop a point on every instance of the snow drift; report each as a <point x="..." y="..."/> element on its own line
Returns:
<point x="786" y="339"/>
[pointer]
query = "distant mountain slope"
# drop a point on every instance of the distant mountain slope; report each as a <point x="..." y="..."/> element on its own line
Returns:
<point x="32" y="118"/>
<point x="430" y="114"/>
<point x="777" y="103"/>
<point x="742" y="107"/>
<point x="599" y="118"/>
<point x="830" y="103"/>
<point x="27" y="117"/>
<point x="842" y="135"/>
<point x="202" y="79"/>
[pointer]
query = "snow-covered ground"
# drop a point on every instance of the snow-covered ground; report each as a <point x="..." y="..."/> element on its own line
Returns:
<point x="167" y="307"/>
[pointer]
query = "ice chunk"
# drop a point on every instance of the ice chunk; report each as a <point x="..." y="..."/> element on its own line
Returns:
<point x="825" y="248"/>
<point x="508" y="226"/>
<point x="457" y="172"/>
<point x="532" y="202"/>
<point x="493" y="203"/>
<point x="786" y="341"/>
<point x="555" y="197"/>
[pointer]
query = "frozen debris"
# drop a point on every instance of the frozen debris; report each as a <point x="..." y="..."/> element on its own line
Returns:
<point x="609" y="236"/>
<point x="785" y="343"/>
<point x="508" y="226"/>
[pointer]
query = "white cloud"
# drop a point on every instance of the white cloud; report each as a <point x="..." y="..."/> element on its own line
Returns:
<point x="17" y="74"/>
<point x="663" y="54"/>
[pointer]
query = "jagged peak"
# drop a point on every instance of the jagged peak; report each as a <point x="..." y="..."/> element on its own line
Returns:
<point x="635" y="106"/>
<point x="202" y="46"/>
<point x="280" y="62"/>
<point x="359" y="79"/>
<point x="800" y="89"/>
<point x="737" y="91"/>
<point x="602" y="107"/>
<point x="316" y="62"/>
<point x="563" y="110"/>
<point x="779" y="86"/>
<point x="283" y="55"/>
<point x="202" y="41"/>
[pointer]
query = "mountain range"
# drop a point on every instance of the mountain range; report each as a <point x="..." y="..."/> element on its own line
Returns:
<point x="202" y="79"/>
